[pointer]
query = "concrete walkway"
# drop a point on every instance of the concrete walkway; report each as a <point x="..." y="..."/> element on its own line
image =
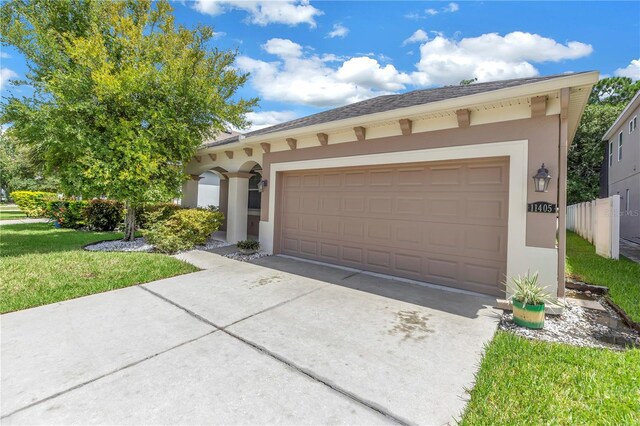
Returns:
<point x="25" y="220"/>
<point x="630" y="249"/>
<point x="280" y="341"/>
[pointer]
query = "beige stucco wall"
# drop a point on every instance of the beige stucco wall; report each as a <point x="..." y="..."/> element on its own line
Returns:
<point x="542" y="134"/>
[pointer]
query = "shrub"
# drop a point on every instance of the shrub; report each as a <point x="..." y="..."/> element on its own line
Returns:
<point x="103" y="215"/>
<point x="248" y="245"/>
<point x="69" y="214"/>
<point x="183" y="230"/>
<point x="33" y="203"/>
<point x="147" y="215"/>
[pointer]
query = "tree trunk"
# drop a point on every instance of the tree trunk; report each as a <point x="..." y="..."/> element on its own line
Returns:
<point x="129" y="222"/>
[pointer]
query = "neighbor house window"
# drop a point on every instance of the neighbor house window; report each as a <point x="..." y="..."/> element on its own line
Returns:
<point x="619" y="146"/>
<point x="610" y="153"/>
<point x="633" y="124"/>
<point x="626" y="200"/>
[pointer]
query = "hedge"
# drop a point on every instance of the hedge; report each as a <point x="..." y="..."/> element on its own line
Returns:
<point x="33" y="203"/>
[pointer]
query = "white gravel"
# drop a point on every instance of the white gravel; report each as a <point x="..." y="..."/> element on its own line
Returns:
<point x="579" y="326"/>
<point x="139" y="244"/>
<point x="246" y="257"/>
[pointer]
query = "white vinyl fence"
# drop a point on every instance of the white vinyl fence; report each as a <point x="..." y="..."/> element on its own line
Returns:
<point x="598" y="222"/>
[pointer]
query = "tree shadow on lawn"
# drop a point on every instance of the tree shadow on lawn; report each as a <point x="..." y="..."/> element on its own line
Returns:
<point x="30" y="238"/>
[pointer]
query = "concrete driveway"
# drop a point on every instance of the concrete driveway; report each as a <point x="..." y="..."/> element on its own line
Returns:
<point x="279" y="341"/>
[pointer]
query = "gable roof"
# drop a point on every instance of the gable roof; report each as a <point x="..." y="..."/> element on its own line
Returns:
<point x="390" y="102"/>
<point x="623" y="117"/>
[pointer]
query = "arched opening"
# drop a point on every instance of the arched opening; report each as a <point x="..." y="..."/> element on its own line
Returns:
<point x="209" y="190"/>
<point x="213" y="190"/>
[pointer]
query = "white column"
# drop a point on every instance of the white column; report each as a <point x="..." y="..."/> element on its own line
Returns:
<point x="237" y="206"/>
<point x="190" y="192"/>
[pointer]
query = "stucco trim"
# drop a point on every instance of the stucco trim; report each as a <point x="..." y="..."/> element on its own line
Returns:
<point x="520" y="257"/>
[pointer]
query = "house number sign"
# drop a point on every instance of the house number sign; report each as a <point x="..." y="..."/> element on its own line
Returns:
<point x="541" y="207"/>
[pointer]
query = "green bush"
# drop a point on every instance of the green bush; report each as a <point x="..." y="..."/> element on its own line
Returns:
<point x="147" y="215"/>
<point x="68" y="213"/>
<point x="103" y="215"/>
<point x="183" y="230"/>
<point x="248" y="245"/>
<point x="33" y="203"/>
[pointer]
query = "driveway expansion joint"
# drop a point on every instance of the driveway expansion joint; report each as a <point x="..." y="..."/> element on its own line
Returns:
<point x="102" y="376"/>
<point x="309" y="374"/>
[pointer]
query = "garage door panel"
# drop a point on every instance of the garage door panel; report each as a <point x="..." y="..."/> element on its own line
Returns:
<point x="352" y="254"/>
<point x="443" y="222"/>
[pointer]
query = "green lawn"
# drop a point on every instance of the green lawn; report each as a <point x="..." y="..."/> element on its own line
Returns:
<point x="40" y="264"/>
<point x="8" y="212"/>
<point x="621" y="276"/>
<point x="11" y="214"/>
<point x="523" y="382"/>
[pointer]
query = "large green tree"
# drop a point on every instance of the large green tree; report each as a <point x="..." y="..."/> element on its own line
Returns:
<point x="122" y="97"/>
<point x="20" y="168"/>
<point x="607" y="100"/>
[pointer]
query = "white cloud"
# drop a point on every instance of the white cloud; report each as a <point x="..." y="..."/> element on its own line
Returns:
<point x="339" y="30"/>
<point x="302" y="78"/>
<point x="418" y="36"/>
<point x="262" y="119"/>
<point x="490" y="57"/>
<point x="5" y="75"/>
<point x="4" y="55"/>
<point x="632" y="70"/>
<point x="264" y="12"/>
<point x="451" y="7"/>
<point x="282" y="47"/>
<point x="367" y="72"/>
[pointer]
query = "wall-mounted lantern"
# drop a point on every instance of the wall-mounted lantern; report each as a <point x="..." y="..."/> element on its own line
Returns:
<point x="541" y="179"/>
<point x="262" y="184"/>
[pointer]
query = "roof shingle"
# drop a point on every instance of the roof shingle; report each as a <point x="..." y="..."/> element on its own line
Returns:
<point x="389" y="102"/>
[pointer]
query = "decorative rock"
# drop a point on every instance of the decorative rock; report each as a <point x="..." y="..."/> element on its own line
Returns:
<point x="246" y="257"/>
<point x="139" y="244"/>
<point x="579" y="326"/>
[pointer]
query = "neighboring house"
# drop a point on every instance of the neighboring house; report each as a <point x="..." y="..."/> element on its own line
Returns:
<point x="209" y="190"/>
<point x="431" y="185"/>
<point x="622" y="156"/>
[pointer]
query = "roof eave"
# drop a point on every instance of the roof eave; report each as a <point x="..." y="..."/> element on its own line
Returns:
<point x="530" y="89"/>
<point x="623" y="116"/>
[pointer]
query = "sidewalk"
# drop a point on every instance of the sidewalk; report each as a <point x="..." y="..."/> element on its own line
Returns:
<point x="19" y="221"/>
<point x="630" y="249"/>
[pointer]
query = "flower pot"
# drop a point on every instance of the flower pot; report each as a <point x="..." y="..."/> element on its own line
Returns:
<point x="530" y="316"/>
<point x="247" y="251"/>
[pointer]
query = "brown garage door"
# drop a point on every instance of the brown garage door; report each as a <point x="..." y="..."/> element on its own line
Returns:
<point x="439" y="222"/>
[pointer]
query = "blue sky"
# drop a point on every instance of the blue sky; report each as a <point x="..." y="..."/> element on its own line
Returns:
<point x="305" y="57"/>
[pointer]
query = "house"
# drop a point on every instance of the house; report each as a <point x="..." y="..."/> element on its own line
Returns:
<point x="622" y="157"/>
<point x="432" y="185"/>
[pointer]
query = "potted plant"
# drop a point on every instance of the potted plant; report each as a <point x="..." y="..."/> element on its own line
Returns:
<point x="528" y="301"/>
<point x="248" y="246"/>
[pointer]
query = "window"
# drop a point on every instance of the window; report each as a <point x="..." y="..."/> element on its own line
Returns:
<point x="620" y="146"/>
<point x="626" y="200"/>
<point x="633" y="124"/>
<point x="254" y="193"/>
<point x="610" y="153"/>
